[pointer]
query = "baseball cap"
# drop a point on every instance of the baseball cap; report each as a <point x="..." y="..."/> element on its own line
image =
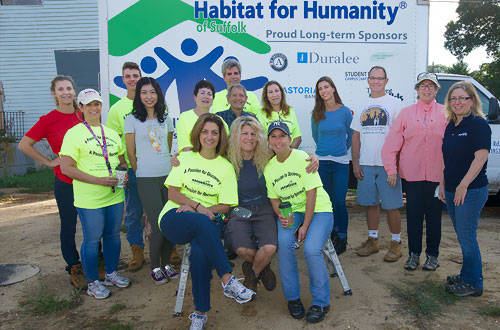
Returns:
<point x="428" y="76"/>
<point x="278" y="125"/>
<point x="88" y="95"/>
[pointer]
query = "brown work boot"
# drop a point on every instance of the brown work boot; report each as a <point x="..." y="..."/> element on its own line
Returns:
<point x="77" y="277"/>
<point x="175" y="258"/>
<point x="394" y="252"/>
<point x="137" y="258"/>
<point x="250" y="279"/>
<point x="268" y="278"/>
<point x="369" y="247"/>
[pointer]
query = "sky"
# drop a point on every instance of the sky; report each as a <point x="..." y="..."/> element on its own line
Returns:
<point x="440" y="14"/>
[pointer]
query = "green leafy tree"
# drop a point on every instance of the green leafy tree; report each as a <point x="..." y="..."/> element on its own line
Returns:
<point x="438" y="68"/>
<point x="478" y="25"/>
<point x="459" y="68"/>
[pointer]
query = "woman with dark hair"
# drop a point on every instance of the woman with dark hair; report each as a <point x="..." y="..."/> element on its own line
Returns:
<point x="331" y="130"/>
<point x="148" y="135"/>
<point x="311" y="216"/>
<point x="53" y="126"/>
<point x="201" y="188"/>
<point x="204" y="92"/>
<point x="90" y="154"/>
<point x="275" y="108"/>
<point x="464" y="185"/>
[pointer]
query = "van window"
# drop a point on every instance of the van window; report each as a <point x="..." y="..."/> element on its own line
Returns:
<point x="446" y="84"/>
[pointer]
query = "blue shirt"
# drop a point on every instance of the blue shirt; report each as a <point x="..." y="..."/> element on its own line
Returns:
<point x="459" y="145"/>
<point x="252" y="189"/>
<point x="229" y="116"/>
<point x="333" y="134"/>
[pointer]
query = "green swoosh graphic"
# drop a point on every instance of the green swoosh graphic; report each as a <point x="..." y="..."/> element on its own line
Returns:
<point x="146" y="19"/>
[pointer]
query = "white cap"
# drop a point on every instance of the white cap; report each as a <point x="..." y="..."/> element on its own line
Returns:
<point x="88" y="95"/>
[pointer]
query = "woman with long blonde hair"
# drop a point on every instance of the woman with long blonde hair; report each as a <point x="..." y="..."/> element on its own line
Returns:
<point x="464" y="185"/>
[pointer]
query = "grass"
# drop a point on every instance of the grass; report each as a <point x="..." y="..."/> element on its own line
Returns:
<point x="493" y="311"/>
<point x="32" y="182"/>
<point x="116" y="308"/>
<point x="423" y="300"/>
<point x="41" y="300"/>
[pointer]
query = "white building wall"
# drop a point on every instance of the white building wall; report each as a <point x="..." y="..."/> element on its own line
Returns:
<point x="29" y="35"/>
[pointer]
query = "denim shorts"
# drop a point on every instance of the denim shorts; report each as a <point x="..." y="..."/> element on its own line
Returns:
<point x="374" y="188"/>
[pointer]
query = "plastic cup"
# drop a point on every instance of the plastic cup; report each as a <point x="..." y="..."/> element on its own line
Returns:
<point x="286" y="211"/>
<point x="120" y="175"/>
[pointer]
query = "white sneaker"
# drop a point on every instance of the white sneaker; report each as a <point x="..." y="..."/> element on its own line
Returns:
<point x="97" y="290"/>
<point x="234" y="289"/>
<point x="197" y="321"/>
<point x="170" y="272"/>
<point x="116" y="279"/>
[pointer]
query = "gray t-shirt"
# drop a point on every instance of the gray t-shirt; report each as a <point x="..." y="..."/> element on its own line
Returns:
<point x="151" y="145"/>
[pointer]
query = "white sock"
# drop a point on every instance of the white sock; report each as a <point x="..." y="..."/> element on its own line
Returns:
<point x="396" y="237"/>
<point x="373" y="233"/>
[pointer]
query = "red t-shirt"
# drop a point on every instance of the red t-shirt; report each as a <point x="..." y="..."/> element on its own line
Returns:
<point x="53" y="126"/>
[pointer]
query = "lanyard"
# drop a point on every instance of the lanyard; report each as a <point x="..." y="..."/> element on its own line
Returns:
<point x="104" y="148"/>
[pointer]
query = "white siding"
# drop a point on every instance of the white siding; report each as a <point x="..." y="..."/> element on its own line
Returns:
<point x="29" y="35"/>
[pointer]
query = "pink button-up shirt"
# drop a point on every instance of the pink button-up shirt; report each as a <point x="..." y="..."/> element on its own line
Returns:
<point x="416" y="136"/>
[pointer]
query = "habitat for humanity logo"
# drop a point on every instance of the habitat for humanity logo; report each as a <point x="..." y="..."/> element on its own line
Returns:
<point x="278" y="62"/>
<point x="314" y="57"/>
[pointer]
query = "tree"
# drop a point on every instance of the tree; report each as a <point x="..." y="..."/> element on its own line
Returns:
<point x="458" y="68"/>
<point x="478" y="25"/>
<point x="438" y="68"/>
<point x="489" y="76"/>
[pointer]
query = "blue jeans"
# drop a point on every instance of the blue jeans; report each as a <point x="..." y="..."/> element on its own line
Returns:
<point x="103" y="223"/>
<point x="317" y="234"/>
<point x="207" y="250"/>
<point x="465" y="219"/>
<point x="335" y="178"/>
<point x="63" y="193"/>
<point x="133" y="211"/>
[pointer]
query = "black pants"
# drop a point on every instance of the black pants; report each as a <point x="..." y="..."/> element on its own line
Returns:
<point x="420" y="203"/>
<point x="63" y="193"/>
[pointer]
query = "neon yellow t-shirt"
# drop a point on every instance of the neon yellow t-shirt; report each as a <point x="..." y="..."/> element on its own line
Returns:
<point x="290" y="120"/>
<point x="116" y="119"/>
<point x="220" y="102"/>
<point x="206" y="181"/>
<point x="79" y="144"/>
<point x="185" y="125"/>
<point x="289" y="182"/>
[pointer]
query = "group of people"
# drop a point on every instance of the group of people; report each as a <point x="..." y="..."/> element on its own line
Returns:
<point x="238" y="168"/>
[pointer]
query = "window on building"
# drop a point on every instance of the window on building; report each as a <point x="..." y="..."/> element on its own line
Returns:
<point x="21" y="2"/>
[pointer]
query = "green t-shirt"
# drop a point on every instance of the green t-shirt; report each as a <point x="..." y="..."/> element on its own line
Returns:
<point x="185" y="125"/>
<point x="290" y="120"/>
<point x="79" y="144"/>
<point x="206" y="181"/>
<point x="116" y="118"/>
<point x="220" y="102"/>
<point x="289" y="182"/>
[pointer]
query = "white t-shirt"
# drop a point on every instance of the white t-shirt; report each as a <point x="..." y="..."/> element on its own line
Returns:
<point x="151" y="145"/>
<point x="373" y="119"/>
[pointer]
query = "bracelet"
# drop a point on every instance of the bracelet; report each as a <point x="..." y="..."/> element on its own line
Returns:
<point x="196" y="208"/>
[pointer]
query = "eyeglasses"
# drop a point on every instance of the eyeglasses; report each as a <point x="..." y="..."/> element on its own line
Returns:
<point x="429" y="87"/>
<point x="377" y="78"/>
<point x="461" y="99"/>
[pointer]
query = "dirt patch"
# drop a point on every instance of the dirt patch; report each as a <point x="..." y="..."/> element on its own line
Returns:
<point x="29" y="233"/>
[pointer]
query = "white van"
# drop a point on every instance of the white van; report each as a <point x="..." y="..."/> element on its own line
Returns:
<point x="491" y="108"/>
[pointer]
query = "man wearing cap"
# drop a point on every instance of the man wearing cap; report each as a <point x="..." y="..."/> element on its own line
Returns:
<point x="371" y="123"/>
<point x="133" y="214"/>
<point x="312" y="218"/>
<point x="231" y="72"/>
<point x="237" y="98"/>
<point x="415" y="139"/>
